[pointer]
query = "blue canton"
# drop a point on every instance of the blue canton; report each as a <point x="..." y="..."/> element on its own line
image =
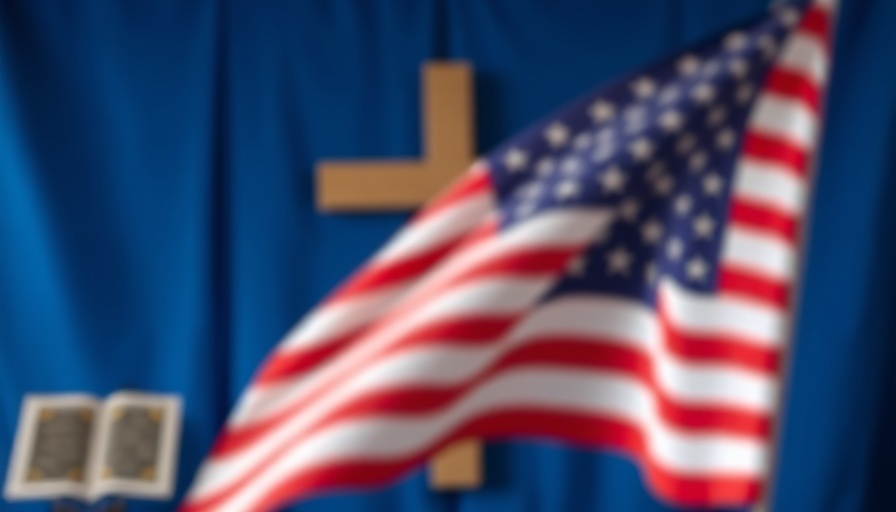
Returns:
<point x="659" y="149"/>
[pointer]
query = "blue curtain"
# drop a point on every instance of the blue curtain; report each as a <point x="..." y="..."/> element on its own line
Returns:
<point x="157" y="227"/>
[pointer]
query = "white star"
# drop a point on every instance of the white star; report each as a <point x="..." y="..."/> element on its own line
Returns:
<point x="655" y="172"/>
<point x="612" y="180"/>
<point x="635" y="119"/>
<point x="745" y="92"/>
<point x="629" y="209"/>
<point x="581" y="141"/>
<point x="688" y="65"/>
<point x="601" y="111"/>
<point x="670" y="94"/>
<point x="606" y="140"/>
<point x="735" y="41"/>
<point x="663" y="185"/>
<point x="651" y="232"/>
<point x="571" y="166"/>
<point x="726" y="139"/>
<point x="685" y="143"/>
<point x="605" y="136"/>
<point x="713" y="185"/>
<point x="566" y="189"/>
<point x="788" y="15"/>
<point x="644" y="87"/>
<point x="703" y="93"/>
<point x="674" y="248"/>
<point x="704" y="225"/>
<point x="557" y="134"/>
<point x="697" y="269"/>
<point x="711" y="68"/>
<point x="515" y="160"/>
<point x="529" y="191"/>
<point x="641" y="149"/>
<point x="671" y="121"/>
<point x="697" y="161"/>
<point x="601" y="153"/>
<point x="716" y="116"/>
<point x="577" y="266"/>
<point x="738" y="67"/>
<point x="619" y="261"/>
<point x="524" y="209"/>
<point x="544" y="166"/>
<point x="768" y="46"/>
<point x="651" y="273"/>
<point x="683" y="204"/>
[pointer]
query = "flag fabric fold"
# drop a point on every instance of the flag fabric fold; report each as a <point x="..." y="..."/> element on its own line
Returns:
<point x="619" y="276"/>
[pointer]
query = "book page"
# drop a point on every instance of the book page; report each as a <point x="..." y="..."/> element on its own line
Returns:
<point x="137" y="455"/>
<point x="53" y="446"/>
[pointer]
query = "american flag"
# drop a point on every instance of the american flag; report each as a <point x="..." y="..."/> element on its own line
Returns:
<point x="619" y="276"/>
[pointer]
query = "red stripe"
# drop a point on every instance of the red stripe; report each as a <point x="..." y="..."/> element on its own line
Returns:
<point x="377" y="275"/>
<point x="282" y="365"/>
<point x="794" y="85"/>
<point x="475" y="182"/>
<point x="817" y="21"/>
<point x="719" y="348"/>
<point x="588" y="430"/>
<point x="485" y="230"/>
<point x="763" y="289"/>
<point x="564" y="352"/>
<point x="764" y="218"/>
<point x="775" y="149"/>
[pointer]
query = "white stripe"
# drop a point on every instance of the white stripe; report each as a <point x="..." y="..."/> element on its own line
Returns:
<point x="437" y="229"/>
<point x="722" y="314"/>
<point x="617" y="397"/>
<point x="563" y="228"/>
<point x="804" y="53"/>
<point x="752" y="250"/>
<point x="784" y="117"/>
<point x="763" y="182"/>
<point x="633" y="323"/>
<point x="340" y="318"/>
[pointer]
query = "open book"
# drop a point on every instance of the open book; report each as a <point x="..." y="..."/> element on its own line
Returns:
<point x="79" y="446"/>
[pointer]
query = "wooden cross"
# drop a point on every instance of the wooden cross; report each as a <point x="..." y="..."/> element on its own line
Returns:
<point x="389" y="185"/>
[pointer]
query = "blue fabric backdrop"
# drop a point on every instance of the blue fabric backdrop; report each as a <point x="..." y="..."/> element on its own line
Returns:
<point x="157" y="227"/>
